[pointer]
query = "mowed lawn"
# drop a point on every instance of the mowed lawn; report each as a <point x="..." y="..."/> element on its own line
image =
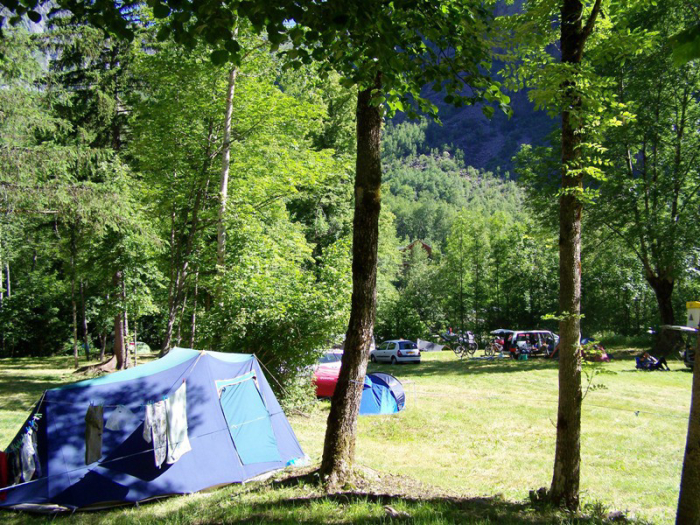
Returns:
<point x="482" y="427"/>
<point x="470" y="428"/>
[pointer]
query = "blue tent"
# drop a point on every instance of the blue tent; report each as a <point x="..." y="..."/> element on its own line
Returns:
<point x="236" y="430"/>
<point x="382" y="394"/>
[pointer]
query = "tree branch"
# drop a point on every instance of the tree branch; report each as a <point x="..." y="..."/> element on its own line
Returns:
<point x="590" y="23"/>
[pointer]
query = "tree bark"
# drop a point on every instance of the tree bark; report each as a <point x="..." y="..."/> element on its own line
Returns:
<point x="135" y="352"/>
<point x="193" y="319"/>
<point x="667" y="340"/>
<point x="339" y="444"/>
<point x="567" y="457"/>
<point x="225" y="165"/>
<point x="119" y="328"/>
<point x="689" y="497"/>
<point x="125" y="320"/>
<point x="86" y="338"/>
<point x="74" y="306"/>
<point x="103" y="347"/>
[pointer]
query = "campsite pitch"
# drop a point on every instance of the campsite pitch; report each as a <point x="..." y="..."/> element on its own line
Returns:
<point x="475" y="437"/>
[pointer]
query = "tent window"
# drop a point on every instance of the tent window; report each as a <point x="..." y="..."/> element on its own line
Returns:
<point x="249" y="422"/>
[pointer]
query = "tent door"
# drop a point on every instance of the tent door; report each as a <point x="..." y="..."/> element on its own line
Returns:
<point x="249" y="423"/>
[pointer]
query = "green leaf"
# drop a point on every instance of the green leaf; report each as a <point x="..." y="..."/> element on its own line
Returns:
<point x="686" y="45"/>
<point x="488" y="111"/>
<point x="161" y="11"/>
<point x="219" y="57"/>
<point x="232" y="46"/>
<point x="163" y="34"/>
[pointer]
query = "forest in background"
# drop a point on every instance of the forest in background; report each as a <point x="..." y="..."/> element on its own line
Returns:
<point x="110" y="158"/>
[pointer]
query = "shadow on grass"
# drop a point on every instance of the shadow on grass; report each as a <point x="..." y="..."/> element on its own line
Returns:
<point x="464" y="367"/>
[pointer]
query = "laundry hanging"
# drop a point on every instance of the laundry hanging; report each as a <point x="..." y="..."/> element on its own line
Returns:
<point x="119" y="418"/>
<point x="176" y="413"/>
<point x="27" y="457"/>
<point x="94" y="426"/>
<point x="155" y="430"/>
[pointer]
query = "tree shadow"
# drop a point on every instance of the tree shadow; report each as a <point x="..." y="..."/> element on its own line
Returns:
<point x="464" y="367"/>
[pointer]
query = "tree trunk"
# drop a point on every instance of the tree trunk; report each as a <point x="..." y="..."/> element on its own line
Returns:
<point x="125" y="335"/>
<point x="567" y="457"/>
<point x="74" y="306"/>
<point x="193" y="320"/>
<point x="225" y="164"/>
<point x="689" y="498"/>
<point x="181" y="319"/>
<point x="667" y="340"/>
<point x="7" y="280"/>
<point x="135" y="352"/>
<point x="103" y="347"/>
<point x="86" y="338"/>
<point x="172" y="315"/>
<point x="119" y="329"/>
<point x="119" y="341"/>
<point x="339" y="445"/>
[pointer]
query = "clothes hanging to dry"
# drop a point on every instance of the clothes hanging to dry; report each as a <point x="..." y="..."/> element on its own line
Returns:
<point x="155" y="430"/>
<point x="94" y="427"/>
<point x="37" y="463"/>
<point x="26" y="454"/>
<point x="176" y="410"/>
<point x="119" y="418"/>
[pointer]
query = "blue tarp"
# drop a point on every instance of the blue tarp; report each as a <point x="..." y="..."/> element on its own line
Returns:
<point x="382" y="394"/>
<point x="126" y="471"/>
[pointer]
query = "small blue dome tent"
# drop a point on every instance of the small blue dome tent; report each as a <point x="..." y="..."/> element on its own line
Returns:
<point x="382" y="394"/>
<point x="235" y="427"/>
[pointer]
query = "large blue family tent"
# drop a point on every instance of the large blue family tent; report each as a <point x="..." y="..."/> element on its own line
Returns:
<point x="382" y="394"/>
<point x="230" y="429"/>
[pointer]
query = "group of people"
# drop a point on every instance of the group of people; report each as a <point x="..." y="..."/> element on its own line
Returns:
<point x="648" y="362"/>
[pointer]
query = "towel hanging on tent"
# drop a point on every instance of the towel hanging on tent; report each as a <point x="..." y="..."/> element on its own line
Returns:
<point x="176" y="412"/>
<point x="94" y="426"/>
<point x="119" y="418"/>
<point x="154" y="430"/>
<point x="27" y="457"/>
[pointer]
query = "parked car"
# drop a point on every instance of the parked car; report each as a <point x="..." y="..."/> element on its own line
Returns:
<point x="688" y="340"/>
<point x="326" y="372"/>
<point x="396" y="351"/>
<point x="531" y="342"/>
<point x="689" y="356"/>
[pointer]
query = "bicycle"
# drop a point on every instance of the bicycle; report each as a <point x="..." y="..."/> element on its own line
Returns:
<point x="462" y="344"/>
<point x="493" y="348"/>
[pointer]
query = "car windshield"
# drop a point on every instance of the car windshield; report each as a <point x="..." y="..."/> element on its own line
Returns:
<point x="407" y="345"/>
<point x="330" y="358"/>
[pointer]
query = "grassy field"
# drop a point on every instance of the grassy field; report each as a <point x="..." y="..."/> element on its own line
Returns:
<point x="475" y="437"/>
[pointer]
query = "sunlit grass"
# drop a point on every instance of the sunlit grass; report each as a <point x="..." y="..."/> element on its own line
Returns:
<point x="470" y="428"/>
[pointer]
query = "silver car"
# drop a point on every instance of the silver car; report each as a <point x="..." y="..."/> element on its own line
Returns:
<point x="396" y="351"/>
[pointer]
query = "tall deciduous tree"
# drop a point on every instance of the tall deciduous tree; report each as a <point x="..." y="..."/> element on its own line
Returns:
<point x="389" y="51"/>
<point x="587" y="105"/>
<point x="651" y="201"/>
<point x="362" y="42"/>
<point x="567" y="458"/>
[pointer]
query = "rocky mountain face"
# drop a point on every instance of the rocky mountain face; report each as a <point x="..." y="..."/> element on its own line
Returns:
<point x="488" y="143"/>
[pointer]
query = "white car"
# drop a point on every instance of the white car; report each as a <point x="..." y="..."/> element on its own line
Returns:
<point x="396" y="351"/>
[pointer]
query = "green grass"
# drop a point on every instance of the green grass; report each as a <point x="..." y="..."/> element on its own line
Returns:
<point x="478" y="434"/>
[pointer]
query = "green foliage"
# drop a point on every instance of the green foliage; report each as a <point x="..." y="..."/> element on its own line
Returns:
<point x="428" y="188"/>
<point x="686" y="45"/>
